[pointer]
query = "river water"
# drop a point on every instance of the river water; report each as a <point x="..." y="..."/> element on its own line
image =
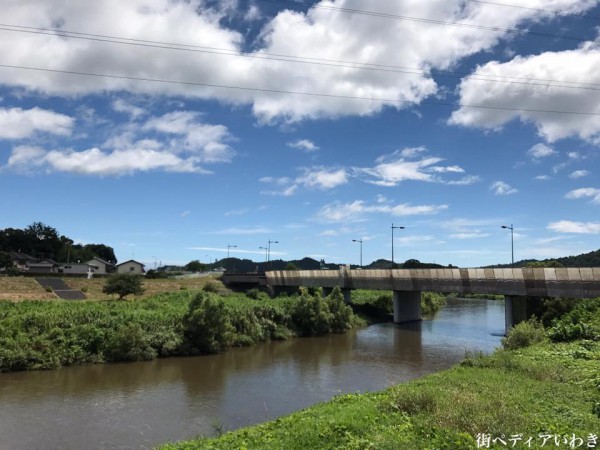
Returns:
<point x="141" y="405"/>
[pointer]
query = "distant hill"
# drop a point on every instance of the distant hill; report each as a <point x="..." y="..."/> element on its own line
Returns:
<point x="246" y="265"/>
<point x="591" y="259"/>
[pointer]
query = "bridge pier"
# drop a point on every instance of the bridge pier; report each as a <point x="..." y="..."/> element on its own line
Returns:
<point x="515" y="311"/>
<point x="407" y="306"/>
<point x="326" y="291"/>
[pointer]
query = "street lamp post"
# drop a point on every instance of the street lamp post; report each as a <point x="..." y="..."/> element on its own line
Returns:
<point x="228" y="247"/>
<point x="360" y="241"/>
<point x="512" y="243"/>
<point x="209" y="262"/>
<point x="394" y="228"/>
<point x="265" y="249"/>
<point x="269" y="242"/>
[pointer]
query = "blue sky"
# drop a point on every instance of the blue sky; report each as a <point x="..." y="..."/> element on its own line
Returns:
<point x="437" y="116"/>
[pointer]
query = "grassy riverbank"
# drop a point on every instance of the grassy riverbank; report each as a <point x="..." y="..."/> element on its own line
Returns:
<point x="530" y="397"/>
<point x="51" y="334"/>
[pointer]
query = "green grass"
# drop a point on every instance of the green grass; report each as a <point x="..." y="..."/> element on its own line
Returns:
<point x="48" y="335"/>
<point x="542" y="389"/>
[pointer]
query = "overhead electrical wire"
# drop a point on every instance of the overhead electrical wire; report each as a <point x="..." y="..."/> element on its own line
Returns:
<point x="281" y="91"/>
<point x="298" y="59"/>
<point x="430" y="21"/>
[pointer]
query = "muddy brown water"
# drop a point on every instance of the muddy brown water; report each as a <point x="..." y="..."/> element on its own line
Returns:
<point x="141" y="405"/>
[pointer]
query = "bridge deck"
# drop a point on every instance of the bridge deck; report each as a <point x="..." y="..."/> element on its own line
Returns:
<point x="541" y="282"/>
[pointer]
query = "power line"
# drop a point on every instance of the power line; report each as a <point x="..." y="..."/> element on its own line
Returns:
<point x="282" y="91"/>
<point x="429" y="21"/>
<point x="297" y="59"/>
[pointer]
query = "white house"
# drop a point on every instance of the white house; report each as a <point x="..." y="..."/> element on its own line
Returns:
<point x="101" y="267"/>
<point x="131" y="266"/>
<point x="76" y="268"/>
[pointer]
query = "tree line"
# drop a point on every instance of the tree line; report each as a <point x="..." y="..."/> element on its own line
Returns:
<point x="45" y="242"/>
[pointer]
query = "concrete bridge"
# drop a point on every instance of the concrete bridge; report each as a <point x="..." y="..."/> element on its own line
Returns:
<point x="517" y="285"/>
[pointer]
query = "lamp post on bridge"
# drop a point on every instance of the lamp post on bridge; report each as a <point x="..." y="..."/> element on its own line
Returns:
<point x="512" y="243"/>
<point x="360" y="241"/>
<point x="265" y="249"/>
<point x="269" y="242"/>
<point x="394" y="228"/>
<point x="228" y="247"/>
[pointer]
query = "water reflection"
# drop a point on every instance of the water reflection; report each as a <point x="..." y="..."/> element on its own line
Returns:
<point x="139" y="405"/>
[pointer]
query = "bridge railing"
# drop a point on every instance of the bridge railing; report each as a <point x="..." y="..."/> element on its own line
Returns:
<point x="551" y="282"/>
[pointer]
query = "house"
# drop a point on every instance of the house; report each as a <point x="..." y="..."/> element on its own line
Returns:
<point x="22" y="260"/>
<point x="131" y="266"/>
<point x="27" y="263"/>
<point x="43" y="266"/>
<point x="101" y="267"/>
<point x="76" y="268"/>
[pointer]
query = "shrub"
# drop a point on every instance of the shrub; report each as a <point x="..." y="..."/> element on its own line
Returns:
<point x="129" y="343"/>
<point x="525" y="334"/>
<point x="212" y="286"/>
<point x="341" y="319"/>
<point x="207" y="324"/>
<point x="313" y="315"/>
<point x="256" y="294"/>
<point x="48" y="288"/>
<point x="123" y="284"/>
<point x="431" y="302"/>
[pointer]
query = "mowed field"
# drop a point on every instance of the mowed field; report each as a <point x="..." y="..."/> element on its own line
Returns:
<point x="26" y="288"/>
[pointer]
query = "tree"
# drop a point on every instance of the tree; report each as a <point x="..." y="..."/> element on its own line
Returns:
<point x="291" y="266"/>
<point x="6" y="264"/>
<point x="123" y="284"/>
<point x="546" y="263"/>
<point x="194" y="266"/>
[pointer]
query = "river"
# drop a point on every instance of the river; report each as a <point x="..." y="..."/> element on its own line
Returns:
<point x="141" y="405"/>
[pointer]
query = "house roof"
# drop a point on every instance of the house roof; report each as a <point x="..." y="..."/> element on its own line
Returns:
<point x="21" y="256"/>
<point x="132" y="261"/>
<point x="101" y="260"/>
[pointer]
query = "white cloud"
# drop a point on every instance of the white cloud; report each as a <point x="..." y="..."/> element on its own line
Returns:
<point x="181" y="143"/>
<point x="405" y="165"/>
<point x="318" y="33"/>
<point x="17" y="123"/>
<point x="123" y="106"/>
<point x="542" y="178"/>
<point x="119" y="162"/>
<point x="592" y="193"/>
<point x="357" y="210"/>
<point x="304" y="144"/>
<point x="184" y="214"/>
<point x="465" y="181"/>
<point x="473" y="235"/>
<point x="24" y="158"/>
<point x="502" y="188"/>
<point x="415" y="240"/>
<point x="312" y="178"/>
<point x="579" y="174"/>
<point x="567" y="226"/>
<point x="539" y="151"/>
<point x="205" y="141"/>
<point x="529" y="102"/>
<point x="322" y="178"/>
<point x="244" y="231"/>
